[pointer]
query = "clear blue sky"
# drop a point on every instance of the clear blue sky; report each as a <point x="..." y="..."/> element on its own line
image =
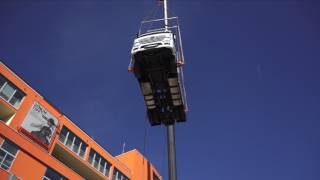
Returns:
<point x="252" y="77"/>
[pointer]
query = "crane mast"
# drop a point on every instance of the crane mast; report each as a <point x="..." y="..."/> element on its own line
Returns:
<point x="172" y="166"/>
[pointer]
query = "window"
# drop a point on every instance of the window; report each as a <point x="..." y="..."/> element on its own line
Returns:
<point x="8" y="152"/>
<point x="10" y="93"/>
<point x="7" y="92"/>
<point x="99" y="163"/>
<point x="16" y="99"/>
<point x="52" y="175"/>
<point x="91" y="156"/>
<point x="96" y="161"/>
<point x="72" y="142"/>
<point x="117" y="175"/>
<point x="63" y="134"/>
<point x="70" y="139"/>
<point x="83" y="150"/>
<point x="76" y="145"/>
<point x="2" y="81"/>
<point x="155" y="177"/>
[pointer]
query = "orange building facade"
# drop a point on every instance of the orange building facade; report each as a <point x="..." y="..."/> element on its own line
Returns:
<point x="37" y="142"/>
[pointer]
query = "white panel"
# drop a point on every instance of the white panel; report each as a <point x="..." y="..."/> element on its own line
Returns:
<point x="173" y="81"/>
<point x="146" y="88"/>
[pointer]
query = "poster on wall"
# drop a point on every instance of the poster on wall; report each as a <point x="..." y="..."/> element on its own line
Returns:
<point x="39" y="124"/>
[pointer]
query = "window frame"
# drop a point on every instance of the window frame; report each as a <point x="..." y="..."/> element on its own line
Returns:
<point x="118" y="175"/>
<point x="44" y="177"/>
<point x="10" y="154"/>
<point x="65" y="140"/>
<point x="100" y="158"/>
<point x="16" y="89"/>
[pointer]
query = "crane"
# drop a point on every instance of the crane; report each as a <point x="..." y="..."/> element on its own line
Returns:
<point x="157" y="61"/>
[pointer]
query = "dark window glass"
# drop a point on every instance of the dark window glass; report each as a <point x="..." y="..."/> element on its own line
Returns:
<point x="70" y="140"/>
<point x="7" y="161"/>
<point x="82" y="150"/>
<point x="10" y="93"/>
<point x="107" y="169"/>
<point x="7" y="92"/>
<point x="16" y="99"/>
<point x="96" y="161"/>
<point x="73" y="142"/>
<point x="53" y="175"/>
<point x="10" y="147"/>
<point x="8" y="150"/>
<point x="117" y="175"/>
<point x="91" y="155"/>
<point x="2" y="154"/>
<point x="101" y="167"/>
<point x="4" y="167"/>
<point x="2" y="81"/>
<point x="63" y="134"/>
<point x="76" y="145"/>
<point x="114" y="175"/>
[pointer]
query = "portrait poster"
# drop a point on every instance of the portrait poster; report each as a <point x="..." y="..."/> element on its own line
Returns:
<point x="39" y="124"/>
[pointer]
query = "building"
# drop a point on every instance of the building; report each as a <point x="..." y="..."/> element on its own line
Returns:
<point x="37" y="141"/>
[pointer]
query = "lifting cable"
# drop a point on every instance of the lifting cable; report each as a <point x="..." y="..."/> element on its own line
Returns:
<point x="145" y="140"/>
<point x="144" y="148"/>
<point x="163" y="154"/>
<point x="150" y="16"/>
<point x="180" y="48"/>
<point x="152" y="13"/>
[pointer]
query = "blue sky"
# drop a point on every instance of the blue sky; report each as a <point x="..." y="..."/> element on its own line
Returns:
<point x="252" y="77"/>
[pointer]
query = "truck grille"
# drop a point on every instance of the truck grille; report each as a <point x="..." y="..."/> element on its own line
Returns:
<point x="152" y="39"/>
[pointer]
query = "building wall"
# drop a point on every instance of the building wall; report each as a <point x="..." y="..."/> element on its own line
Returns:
<point x="25" y="166"/>
<point x="33" y="158"/>
<point x="30" y="154"/>
<point x="141" y="168"/>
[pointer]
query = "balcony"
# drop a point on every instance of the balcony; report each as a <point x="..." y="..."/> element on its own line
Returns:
<point x="79" y="166"/>
<point x="6" y="113"/>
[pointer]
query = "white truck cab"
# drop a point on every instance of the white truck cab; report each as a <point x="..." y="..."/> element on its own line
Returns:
<point x="154" y="40"/>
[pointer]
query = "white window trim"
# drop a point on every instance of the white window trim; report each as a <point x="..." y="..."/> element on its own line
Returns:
<point x="15" y="156"/>
<point x="9" y="99"/>
<point x="98" y="168"/>
<point x="72" y="144"/>
<point x="44" y="177"/>
<point x="3" y="86"/>
<point x="14" y="92"/>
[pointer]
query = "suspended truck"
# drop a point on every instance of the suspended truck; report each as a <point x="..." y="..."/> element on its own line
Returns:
<point x="156" y="61"/>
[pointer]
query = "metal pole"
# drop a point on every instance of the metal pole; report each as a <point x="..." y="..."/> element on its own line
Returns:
<point x="171" y="152"/>
<point x="165" y="8"/>
<point x="172" y="168"/>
